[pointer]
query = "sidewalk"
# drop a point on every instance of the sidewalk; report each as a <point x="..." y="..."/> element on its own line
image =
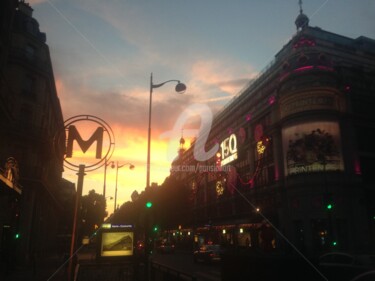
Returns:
<point x="48" y="269"/>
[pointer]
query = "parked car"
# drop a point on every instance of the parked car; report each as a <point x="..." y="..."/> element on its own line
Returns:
<point x="165" y="247"/>
<point x="346" y="265"/>
<point x="208" y="253"/>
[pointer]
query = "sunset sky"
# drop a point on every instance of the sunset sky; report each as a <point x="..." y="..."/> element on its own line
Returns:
<point x="103" y="53"/>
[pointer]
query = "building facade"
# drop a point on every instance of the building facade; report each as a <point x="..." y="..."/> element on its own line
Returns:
<point x="294" y="152"/>
<point x="32" y="191"/>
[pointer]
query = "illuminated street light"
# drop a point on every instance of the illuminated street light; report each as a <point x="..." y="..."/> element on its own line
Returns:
<point x="180" y="88"/>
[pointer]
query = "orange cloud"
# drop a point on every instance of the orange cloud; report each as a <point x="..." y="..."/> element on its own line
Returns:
<point x="130" y="148"/>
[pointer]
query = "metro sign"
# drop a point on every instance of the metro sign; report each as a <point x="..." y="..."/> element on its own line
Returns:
<point x="84" y="145"/>
<point x="102" y="136"/>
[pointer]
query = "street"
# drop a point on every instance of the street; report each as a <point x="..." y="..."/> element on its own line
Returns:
<point x="183" y="262"/>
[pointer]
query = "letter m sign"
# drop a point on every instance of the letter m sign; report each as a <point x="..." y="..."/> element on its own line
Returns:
<point x="84" y="144"/>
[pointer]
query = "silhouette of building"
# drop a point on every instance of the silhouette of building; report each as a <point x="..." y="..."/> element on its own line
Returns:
<point x="34" y="197"/>
<point x="295" y="152"/>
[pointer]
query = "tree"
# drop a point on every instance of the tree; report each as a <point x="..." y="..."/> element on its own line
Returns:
<point x="93" y="211"/>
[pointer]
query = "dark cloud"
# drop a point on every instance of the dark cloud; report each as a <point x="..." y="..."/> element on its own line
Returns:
<point x="127" y="111"/>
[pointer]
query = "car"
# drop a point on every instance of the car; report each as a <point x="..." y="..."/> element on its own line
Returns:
<point x="208" y="253"/>
<point x="165" y="247"/>
<point x="345" y="266"/>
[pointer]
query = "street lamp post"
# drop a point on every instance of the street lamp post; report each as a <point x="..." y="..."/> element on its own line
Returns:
<point x="106" y="164"/>
<point x="131" y="167"/>
<point x="180" y="88"/>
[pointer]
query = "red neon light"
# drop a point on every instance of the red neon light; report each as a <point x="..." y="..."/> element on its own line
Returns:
<point x="284" y="76"/>
<point x="272" y="100"/>
<point x="304" y="42"/>
<point x="357" y="167"/>
<point x="304" y="68"/>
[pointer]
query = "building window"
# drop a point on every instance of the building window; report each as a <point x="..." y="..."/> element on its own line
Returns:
<point x="303" y="59"/>
<point x="30" y="52"/>
<point x="32" y="27"/>
<point x="25" y="114"/>
<point x="28" y="87"/>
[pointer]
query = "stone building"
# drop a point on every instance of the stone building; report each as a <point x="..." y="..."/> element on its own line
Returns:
<point x="33" y="194"/>
<point x="294" y="154"/>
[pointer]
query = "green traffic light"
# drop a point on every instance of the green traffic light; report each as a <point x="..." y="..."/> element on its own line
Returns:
<point x="17" y="235"/>
<point x="334" y="243"/>
<point x="149" y="204"/>
<point x="155" y="228"/>
<point x="329" y="206"/>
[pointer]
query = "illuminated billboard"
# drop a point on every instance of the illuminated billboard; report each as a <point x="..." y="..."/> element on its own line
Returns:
<point x="312" y="147"/>
<point x="116" y="240"/>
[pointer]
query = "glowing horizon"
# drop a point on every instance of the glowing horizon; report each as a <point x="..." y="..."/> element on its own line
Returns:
<point x="104" y="52"/>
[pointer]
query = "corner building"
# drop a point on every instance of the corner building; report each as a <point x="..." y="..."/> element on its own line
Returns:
<point x="295" y="152"/>
<point x="36" y="202"/>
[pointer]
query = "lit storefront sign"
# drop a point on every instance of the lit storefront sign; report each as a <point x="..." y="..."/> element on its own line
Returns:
<point x="229" y="150"/>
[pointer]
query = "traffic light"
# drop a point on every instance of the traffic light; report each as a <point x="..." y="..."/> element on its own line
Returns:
<point x="148" y="204"/>
<point x="17" y="236"/>
<point x="334" y="243"/>
<point x="155" y="228"/>
<point x="329" y="202"/>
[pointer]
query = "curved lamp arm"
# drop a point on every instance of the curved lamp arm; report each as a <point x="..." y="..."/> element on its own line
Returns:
<point x="180" y="87"/>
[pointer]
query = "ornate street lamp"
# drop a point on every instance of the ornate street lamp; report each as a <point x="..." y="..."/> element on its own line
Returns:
<point x="180" y="88"/>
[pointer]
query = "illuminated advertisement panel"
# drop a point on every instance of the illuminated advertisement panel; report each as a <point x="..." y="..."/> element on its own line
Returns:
<point x="116" y="241"/>
<point x="312" y="147"/>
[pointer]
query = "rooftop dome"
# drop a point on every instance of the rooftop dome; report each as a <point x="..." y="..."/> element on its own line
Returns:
<point x="302" y="20"/>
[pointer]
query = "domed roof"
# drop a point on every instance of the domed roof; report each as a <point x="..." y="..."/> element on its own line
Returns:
<point x="302" y="20"/>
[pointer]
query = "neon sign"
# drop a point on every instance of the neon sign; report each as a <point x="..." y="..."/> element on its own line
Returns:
<point x="229" y="150"/>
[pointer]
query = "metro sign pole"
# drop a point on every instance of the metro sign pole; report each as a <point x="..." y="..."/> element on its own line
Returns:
<point x="81" y="174"/>
<point x="74" y="135"/>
